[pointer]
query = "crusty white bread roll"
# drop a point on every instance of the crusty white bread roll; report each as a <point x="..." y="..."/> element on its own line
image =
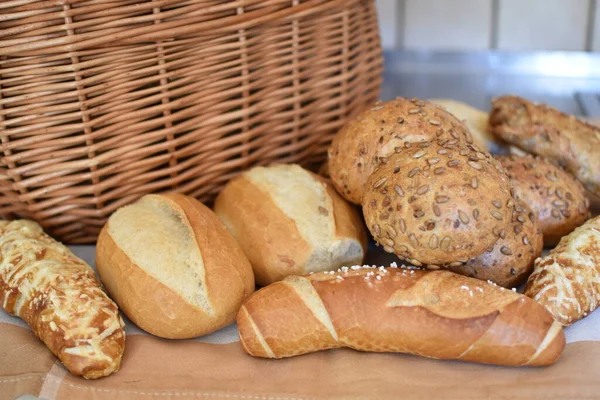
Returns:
<point x="290" y="222"/>
<point x="567" y="281"/>
<point x="557" y="199"/>
<point x="172" y="267"/>
<point x="371" y="137"/>
<point x="435" y="314"/>
<point x="476" y="121"/>
<point x="437" y="203"/>
<point x="59" y="297"/>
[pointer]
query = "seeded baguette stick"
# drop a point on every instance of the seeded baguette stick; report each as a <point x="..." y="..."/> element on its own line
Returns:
<point x="435" y="314"/>
<point x="545" y="131"/>
<point x="371" y="137"/>
<point x="438" y="203"/>
<point x="59" y="297"/>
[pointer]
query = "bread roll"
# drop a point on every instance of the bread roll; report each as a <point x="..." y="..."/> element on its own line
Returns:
<point x="438" y="204"/>
<point x="58" y="296"/>
<point x="557" y="199"/>
<point x="290" y="221"/>
<point x="509" y="261"/>
<point x="172" y="267"/>
<point x="474" y="119"/>
<point x="545" y="131"/>
<point x="435" y="314"/>
<point x="371" y="137"/>
<point x="567" y="281"/>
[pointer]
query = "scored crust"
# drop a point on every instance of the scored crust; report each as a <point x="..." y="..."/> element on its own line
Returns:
<point x="163" y="309"/>
<point x="437" y="203"/>
<point x="557" y="199"/>
<point x="374" y="135"/>
<point x="290" y="222"/>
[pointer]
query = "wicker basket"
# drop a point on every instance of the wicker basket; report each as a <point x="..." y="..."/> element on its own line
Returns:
<point x="104" y="101"/>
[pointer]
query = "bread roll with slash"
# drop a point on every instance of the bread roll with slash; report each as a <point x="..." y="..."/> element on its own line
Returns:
<point x="567" y="281"/>
<point x="59" y="297"/>
<point x="290" y="221"/>
<point x="435" y="314"/>
<point x="172" y="267"/>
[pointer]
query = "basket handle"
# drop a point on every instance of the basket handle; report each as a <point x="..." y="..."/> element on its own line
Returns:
<point x="176" y="28"/>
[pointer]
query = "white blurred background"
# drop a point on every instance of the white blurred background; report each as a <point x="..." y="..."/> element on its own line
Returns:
<point x="467" y="25"/>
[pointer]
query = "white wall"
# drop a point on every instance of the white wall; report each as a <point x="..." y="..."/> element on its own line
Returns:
<point x="490" y="24"/>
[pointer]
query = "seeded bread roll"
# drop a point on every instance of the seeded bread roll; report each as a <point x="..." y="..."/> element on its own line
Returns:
<point x="290" y="222"/>
<point x="557" y="199"/>
<point x="474" y="119"/>
<point x="172" y="267"/>
<point x="544" y="131"/>
<point x="374" y="135"/>
<point x="437" y="203"/>
<point x="509" y="261"/>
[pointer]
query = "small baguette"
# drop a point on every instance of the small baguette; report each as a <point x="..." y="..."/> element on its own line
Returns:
<point x="436" y="314"/>
<point x="59" y="297"/>
<point x="567" y="281"/>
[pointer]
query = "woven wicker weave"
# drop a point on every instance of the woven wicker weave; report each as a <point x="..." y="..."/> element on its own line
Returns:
<point x="104" y="101"/>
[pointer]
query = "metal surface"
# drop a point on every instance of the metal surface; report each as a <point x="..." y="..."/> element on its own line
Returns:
<point x="569" y="81"/>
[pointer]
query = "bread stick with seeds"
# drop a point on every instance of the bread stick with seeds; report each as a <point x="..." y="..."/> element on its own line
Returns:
<point x="59" y="297"/>
<point x="435" y="314"/>
<point x="545" y="131"/>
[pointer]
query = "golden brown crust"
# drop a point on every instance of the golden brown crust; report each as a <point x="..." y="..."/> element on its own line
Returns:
<point x="374" y="135"/>
<point x="545" y="131"/>
<point x="275" y="249"/>
<point x="556" y="197"/>
<point x="59" y="297"/>
<point x="437" y="203"/>
<point x="275" y="243"/>
<point x="160" y="309"/>
<point x="567" y="281"/>
<point x="434" y="314"/>
<point x="509" y="261"/>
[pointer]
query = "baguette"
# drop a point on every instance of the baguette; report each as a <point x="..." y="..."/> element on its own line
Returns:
<point x="59" y="297"/>
<point x="436" y="314"/>
<point x="567" y="281"/>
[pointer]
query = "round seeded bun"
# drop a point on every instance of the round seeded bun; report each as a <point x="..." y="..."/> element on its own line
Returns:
<point x="557" y="199"/>
<point x="437" y="203"/>
<point x="509" y="261"/>
<point x="374" y="135"/>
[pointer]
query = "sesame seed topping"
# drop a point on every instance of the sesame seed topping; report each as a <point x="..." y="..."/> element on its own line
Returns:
<point x="496" y="215"/>
<point x="414" y="172"/>
<point x="496" y="204"/>
<point x="402" y="225"/>
<point x="398" y="190"/>
<point x="441" y="199"/>
<point x="436" y="210"/>
<point x="423" y="189"/>
<point x="432" y="161"/>
<point x="464" y="218"/>
<point x="434" y="122"/>
<point x="414" y="110"/>
<point x="439" y="170"/>
<point x="453" y="163"/>
<point x="419" y="153"/>
<point x="442" y="151"/>
<point x="506" y="251"/>
<point x="474" y="182"/>
<point x="558" y="203"/>
<point x="379" y="183"/>
<point x="323" y="211"/>
<point x="475" y="165"/>
<point x="525" y="240"/>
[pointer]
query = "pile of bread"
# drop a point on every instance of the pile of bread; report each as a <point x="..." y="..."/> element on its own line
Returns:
<point x="469" y="227"/>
